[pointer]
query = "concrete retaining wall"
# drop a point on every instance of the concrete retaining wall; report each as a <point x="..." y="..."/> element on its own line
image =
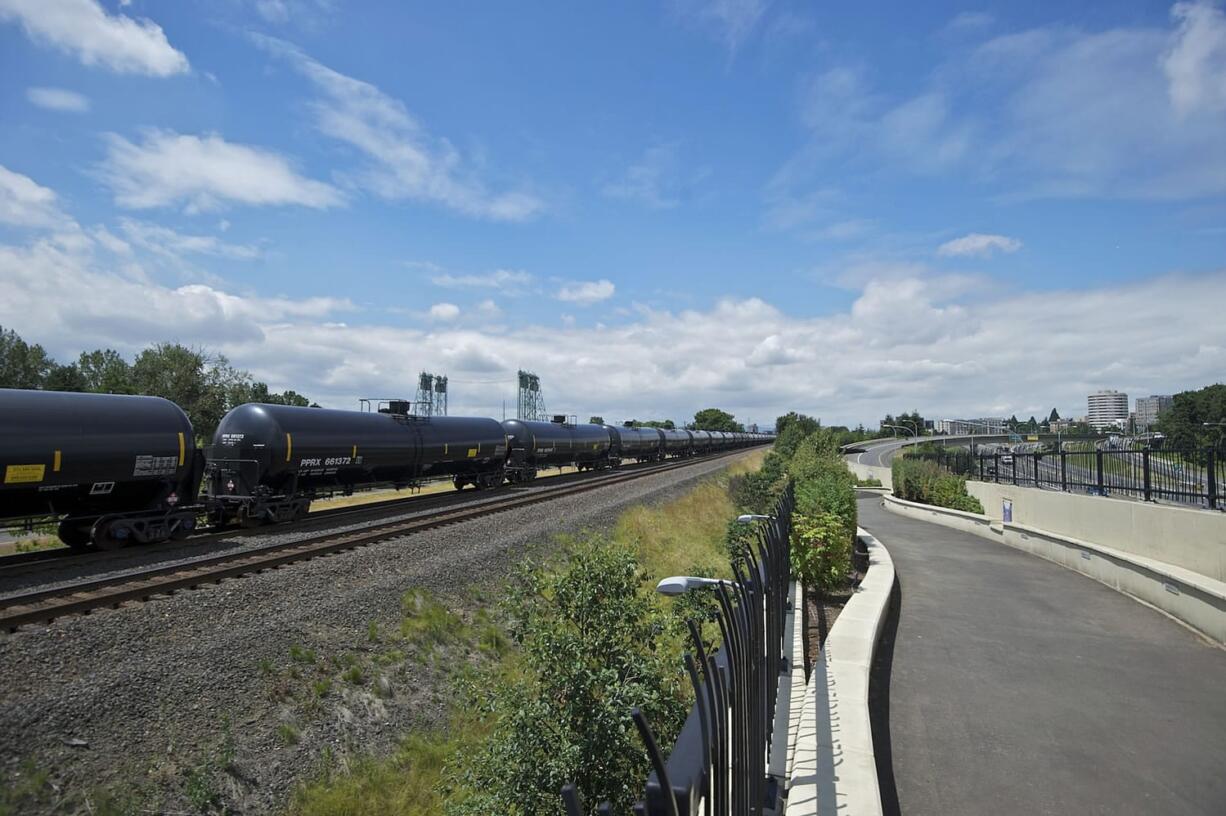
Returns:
<point x="834" y="768"/>
<point x="884" y="474"/>
<point x="1188" y="596"/>
<point x="1192" y="539"/>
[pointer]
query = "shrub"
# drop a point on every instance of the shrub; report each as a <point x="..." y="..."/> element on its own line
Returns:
<point x="926" y="482"/>
<point x="591" y="648"/>
<point x="821" y="550"/>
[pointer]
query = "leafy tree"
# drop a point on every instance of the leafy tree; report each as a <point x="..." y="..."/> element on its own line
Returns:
<point x="807" y="423"/>
<point x="105" y="372"/>
<point x="666" y="424"/>
<point x="64" y="378"/>
<point x="596" y="420"/>
<point x="713" y="419"/>
<point x="1183" y="423"/>
<point x="22" y="365"/>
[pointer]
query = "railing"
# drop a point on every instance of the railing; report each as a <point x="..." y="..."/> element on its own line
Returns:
<point x="719" y="763"/>
<point x="1193" y="476"/>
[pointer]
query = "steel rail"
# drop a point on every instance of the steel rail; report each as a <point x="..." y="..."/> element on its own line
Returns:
<point x="81" y="597"/>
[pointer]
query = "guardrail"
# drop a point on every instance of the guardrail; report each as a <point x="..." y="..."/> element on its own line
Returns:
<point x="1195" y="476"/>
<point x="719" y="762"/>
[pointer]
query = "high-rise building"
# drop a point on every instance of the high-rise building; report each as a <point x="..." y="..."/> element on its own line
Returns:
<point x="969" y="427"/>
<point x="1150" y="408"/>
<point x="1108" y="409"/>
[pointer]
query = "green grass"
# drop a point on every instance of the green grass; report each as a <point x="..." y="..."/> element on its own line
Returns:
<point x="426" y="621"/>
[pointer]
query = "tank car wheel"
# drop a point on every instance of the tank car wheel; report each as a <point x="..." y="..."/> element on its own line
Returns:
<point x="111" y="535"/>
<point x="75" y="534"/>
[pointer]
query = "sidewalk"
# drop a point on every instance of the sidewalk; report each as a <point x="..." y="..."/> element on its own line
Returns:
<point x="1019" y="687"/>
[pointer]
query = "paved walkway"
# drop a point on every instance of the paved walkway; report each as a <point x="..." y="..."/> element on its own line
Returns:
<point x="1019" y="687"/>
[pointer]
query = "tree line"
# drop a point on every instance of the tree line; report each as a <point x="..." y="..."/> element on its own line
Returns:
<point x="1196" y="419"/>
<point x="200" y="382"/>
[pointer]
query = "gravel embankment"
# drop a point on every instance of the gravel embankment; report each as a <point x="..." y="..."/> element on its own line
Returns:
<point x="224" y="698"/>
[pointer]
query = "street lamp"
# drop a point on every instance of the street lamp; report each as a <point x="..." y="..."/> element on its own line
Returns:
<point x="748" y="517"/>
<point x="681" y="584"/>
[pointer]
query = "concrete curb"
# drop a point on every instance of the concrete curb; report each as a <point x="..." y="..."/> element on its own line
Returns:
<point x="834" y="769"/>
<point x="1192" y="599"/>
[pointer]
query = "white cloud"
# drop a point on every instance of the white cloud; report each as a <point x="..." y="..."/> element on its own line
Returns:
<point x="911" y="338"/>
<point x="444" y="311"/>
<point x="26" y="203"/>
<point x="1129" y="112"/>
<point x="84" y="28"/>
<point x="586" y="293"/>
<point x="110" y="241"/>
<point x="488" y="308"/>
<point x="405" y="160"/>
<point x="204" y="173"/>
<point x="58" y="99"/>
<point x="169" y="243"/>
<point x="970" y="21"/>
<point x="501" y="279"/>
<point x="653" y="181"/>
<point x="978" y="245"/>
<point x="1195" y="65"/>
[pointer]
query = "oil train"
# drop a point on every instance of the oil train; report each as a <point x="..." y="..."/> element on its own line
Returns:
<point x="114" y="470"/>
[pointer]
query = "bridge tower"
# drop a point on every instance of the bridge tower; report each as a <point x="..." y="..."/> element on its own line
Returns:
<point x="531" y="400"/>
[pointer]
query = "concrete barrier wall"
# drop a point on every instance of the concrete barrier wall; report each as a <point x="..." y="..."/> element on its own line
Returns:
<point x="884" y="474"/>
<point x="1186" y="595"/>
<point x="1192" y="539"/>
<point x="834" y="765"/>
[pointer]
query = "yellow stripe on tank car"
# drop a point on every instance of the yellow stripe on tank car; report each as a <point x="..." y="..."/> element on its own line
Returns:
<point x="55" y="462"/>
<point x="289" y="446"/>
<point x="182" y="452"/>
<point x="354" y="455"/>
<point x="472" y="453"/>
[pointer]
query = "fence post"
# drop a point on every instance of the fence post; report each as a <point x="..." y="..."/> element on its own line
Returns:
<point x="996" y="467"/>
<point x="1145" y="475"/>
<point x="1063" y="471"/>
<point x="1211" y="462"/>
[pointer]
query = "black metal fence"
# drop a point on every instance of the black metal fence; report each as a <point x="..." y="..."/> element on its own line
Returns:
<point x="1192" y="476"/>
<point x="719" y="762"/>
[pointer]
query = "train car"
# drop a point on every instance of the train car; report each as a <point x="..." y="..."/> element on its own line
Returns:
<point x="676" y="442"/>
<point x="533" y="445"/>
<point x="268" y="461"/>
<point x="110" y="469"/>
<point x="629" y="442"/>
<point x="702" y="442"/>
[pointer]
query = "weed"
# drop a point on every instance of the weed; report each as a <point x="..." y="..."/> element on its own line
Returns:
<point x="354" y="675"/>
<point x="289" y="734"/>
<point x="322" y="687"/>
<point x="265" y="667"/>
<point x="300" y="654"/>
<point x="426" y="621"/>
<point x="372" y="632"/>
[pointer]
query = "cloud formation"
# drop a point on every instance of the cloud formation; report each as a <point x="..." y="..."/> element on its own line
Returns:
<point x="652" y="181"/>
<point x="203" y="173"/>
<point x="405" y="161"/>
<point x="58" y="99"/>
<point x="1051" y="112"/>
<point x="585" y="293"/>
<point x="500" y="279"/>
<point x="978" y="245"/>
<point x="83" y="28"/>
<point x="169" y="243"/>
<point x="26" y="203"/>
<point x="444" y="311"/>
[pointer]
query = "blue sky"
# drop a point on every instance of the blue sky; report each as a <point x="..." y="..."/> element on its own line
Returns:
<point x="657" y="206"/>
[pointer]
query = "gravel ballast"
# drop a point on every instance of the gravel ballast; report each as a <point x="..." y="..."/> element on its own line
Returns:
<point x="195" y="702"/>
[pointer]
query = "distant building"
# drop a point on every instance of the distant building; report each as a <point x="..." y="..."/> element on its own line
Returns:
<point x="1108" y="409"/>
<point x="993" y="426"/>
<point x="1060" y="425"/>
<point x="1150" y="408"/>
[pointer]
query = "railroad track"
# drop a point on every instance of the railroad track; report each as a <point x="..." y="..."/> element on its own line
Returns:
<point x="65" y="557"/>
<point x="46" y="605"/>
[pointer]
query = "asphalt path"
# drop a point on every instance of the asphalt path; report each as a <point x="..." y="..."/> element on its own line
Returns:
<point x="1015" y="686"/>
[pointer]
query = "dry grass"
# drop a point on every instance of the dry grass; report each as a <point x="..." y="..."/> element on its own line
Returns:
<point x="682" y="536"/>
<point x="386" y="494"/>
